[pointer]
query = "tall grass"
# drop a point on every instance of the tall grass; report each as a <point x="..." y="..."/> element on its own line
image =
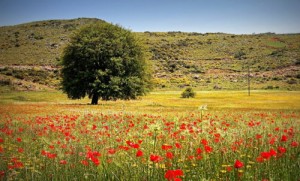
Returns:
<point x="118" y="146"/>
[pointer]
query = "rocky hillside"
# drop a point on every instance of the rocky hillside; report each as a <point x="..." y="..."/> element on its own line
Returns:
<point x="30" y="55"/>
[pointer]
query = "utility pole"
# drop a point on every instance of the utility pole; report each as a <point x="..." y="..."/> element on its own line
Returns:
<point x="248" y="78"/>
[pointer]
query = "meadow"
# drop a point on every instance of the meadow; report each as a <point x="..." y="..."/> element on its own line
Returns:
<point x="221" y="134"/>
<point x="45" y="136"/>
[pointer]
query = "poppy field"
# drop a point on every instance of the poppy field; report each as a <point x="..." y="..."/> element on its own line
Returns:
<point x="223" y="144"/>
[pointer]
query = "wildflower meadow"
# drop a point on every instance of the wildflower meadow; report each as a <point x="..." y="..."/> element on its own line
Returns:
<point x="218" y="145"/>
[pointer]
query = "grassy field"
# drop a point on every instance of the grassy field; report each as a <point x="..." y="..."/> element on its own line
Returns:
<point x="45" y="136"/>
<point x="164" y="101"/>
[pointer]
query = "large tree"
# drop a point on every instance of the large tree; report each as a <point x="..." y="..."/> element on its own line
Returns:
<point x="104" y="61"/>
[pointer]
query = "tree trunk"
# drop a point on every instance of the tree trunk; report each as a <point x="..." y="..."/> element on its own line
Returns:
<point x="95" y="99"/>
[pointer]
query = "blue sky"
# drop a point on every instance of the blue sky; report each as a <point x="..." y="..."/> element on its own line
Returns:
<point x="228" y="16"/>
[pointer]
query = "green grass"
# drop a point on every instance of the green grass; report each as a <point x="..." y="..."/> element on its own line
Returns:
<point x="276" y="44"/>
<point x="169" y="100"/>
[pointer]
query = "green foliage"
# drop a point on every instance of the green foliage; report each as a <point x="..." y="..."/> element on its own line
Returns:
<point x="43" y="75"/>
<point x="239" y="54"/>
<point x="188" y="93"/>
<point x="104" y="61"/>
<point x="5" y="82"/>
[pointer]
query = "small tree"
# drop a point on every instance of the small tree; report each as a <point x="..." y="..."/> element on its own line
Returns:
<point x="104" y="61"/>
<point x="188" y="92"/>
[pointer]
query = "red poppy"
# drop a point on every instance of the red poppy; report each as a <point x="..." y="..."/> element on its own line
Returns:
<point x="51" y="155"/>
<point x="199" y="157"/>
<point x="62" y="162"/>
<point x="20" y="150"/>
<point x="208" y="149"/>
<point x="129" y="143"/>
<point x="44" y="153"/>
<point x="139" y="153"/>
<point x="89" y="154"/>
<point x="135" y="146"/>
<point x="95" y="160"/>
<point x="96" y="153"/>
<point x="178" y="145"/>
<point x="111" y="151"/>
<point x="238" y="164"/>
<point x="284" y="138"/>
<point x="191" y="157"/>
<point x="204" y="141"/>
<point x="281" y="150"/>
<point x="228" y="168"/>
<point x="2" y="173"/>
<point x="1" y="140"/>
<point x="258" y="136"/>
<point x="272" y="140"/>
<point x="199" y="151"/>
<point x="265" y="155"/>
<point x="217" y="140"/>
<point x="169" y="155"/>
<point x="172" y="175"/>
<point x="19" y="139"/>
<point x="294" y="144"/>
<point x="85" y="162"/>
<point x="273" y="152"/>
<point x="124" y="147"/>
<point x="259" y="159"/>
<point x="155" y="158"/>
<point x="16" y="164"/>
<point x="166" y="147"/>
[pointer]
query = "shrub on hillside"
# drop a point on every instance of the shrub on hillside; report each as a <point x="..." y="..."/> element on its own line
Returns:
<point x="292" y="81"/>
<point x="239" y="55"/>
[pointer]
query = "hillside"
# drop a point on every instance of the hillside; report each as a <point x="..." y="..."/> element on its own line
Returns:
<point x="30" y="55"/>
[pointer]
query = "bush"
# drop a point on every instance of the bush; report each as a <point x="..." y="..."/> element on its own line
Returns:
<point x="4" y="82"/>
<point x="269" y="87"/>
<point x="239" y="55"/>
<point x="292" y="81"/>
<point x="188" y="92"/>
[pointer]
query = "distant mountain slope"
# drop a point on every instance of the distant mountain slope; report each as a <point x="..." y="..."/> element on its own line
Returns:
<point x="206" y="61"/>
<point x="37" y="43"/>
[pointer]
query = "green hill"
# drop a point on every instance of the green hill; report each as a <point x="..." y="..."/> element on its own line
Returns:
<point x="30" y="55"/>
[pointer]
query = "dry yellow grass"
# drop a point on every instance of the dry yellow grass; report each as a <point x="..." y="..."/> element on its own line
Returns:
<point x="168" y="102"/>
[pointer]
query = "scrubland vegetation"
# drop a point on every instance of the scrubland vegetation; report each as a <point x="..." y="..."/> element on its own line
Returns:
<point x="210" y="61"/>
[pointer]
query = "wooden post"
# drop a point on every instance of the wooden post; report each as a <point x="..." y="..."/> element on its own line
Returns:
<point x="248" y="78"/>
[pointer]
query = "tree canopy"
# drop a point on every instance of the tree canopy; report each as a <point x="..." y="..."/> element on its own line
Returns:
<point x="104" y="61"/>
